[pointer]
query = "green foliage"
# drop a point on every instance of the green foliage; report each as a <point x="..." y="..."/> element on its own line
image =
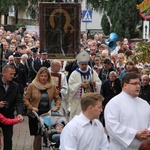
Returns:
<point x="142" y="52"/>
<point x="124" y="16"/>
<point x="19" y="3"/>
<point x="127" y="34"/>
<point x="23" y="23"/>
<point x="117" y="27"/>
<point x="105" y="25"/>
<point x="5" y="5"/>
<point x="33" y="7"/>
<point x="144" y="7"/>
<point x="97" y="5"/>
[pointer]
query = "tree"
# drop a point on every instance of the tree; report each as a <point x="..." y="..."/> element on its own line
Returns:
<point x="33" y="7"/>
<point x="105" y="24"/>
<point x="118" y="27"/>
<point x="5" y="6"/>
<point x="97" y="5"/>
<point x="124" y="16"/>
<point x="142" y="52"/>
<point x="19" y="4"/>
<point x="144" y="7"/>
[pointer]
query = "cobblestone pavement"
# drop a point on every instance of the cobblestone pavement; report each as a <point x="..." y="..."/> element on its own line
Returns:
<point x="21" y="137"/>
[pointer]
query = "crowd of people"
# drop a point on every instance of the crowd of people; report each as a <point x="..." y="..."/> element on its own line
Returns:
<point x="99" y="84"/>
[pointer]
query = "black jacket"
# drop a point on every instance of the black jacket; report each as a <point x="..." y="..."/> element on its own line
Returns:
<point x="8" y="53"/>
<point x="16" y="72"/>
<point x="70" y="67"/>
<point x="28" y="63"/>
<point x="22" y="74"/>
<point x="12" y="97"/>
<point x="145" y="93"/>
<point x="109" y="90"/>
<point x="35" y="66"/>
<point x="104" y="74"/>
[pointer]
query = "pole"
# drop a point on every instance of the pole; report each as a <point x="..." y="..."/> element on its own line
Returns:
<point x="86" y="27"/>
<point x="146" y="32"/>
<point x="86" y="22"/>
<point x="1" y="56"/>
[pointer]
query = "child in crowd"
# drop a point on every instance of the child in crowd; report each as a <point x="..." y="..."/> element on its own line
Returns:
<point x="8" y="121"/>
<point x="59" y="126"/>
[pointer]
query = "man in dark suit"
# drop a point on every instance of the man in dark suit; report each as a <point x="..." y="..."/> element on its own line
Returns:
<point x="31" y="57"/>
<point x="17" y="58"/>
<point x="6" y="50"/>
<point x="10" y="100"/>
<point x="22" y="74"/>
<point x="37" y="64"/>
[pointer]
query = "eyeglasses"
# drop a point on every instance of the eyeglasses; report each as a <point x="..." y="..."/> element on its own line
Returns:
<point x="136" y="83"/>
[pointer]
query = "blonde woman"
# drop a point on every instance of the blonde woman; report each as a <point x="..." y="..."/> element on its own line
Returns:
<point x="38" y="97"/>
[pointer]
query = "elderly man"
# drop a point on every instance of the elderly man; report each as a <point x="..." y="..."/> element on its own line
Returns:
<point x="6" y="50"/>
<point x="10" y="59"/>
<point x="15" y="63"/>
<point x="145" y="88"/>
<point x="81" y="81"/>
<point x="60" y="82"/>
<point x="127" y="116"/>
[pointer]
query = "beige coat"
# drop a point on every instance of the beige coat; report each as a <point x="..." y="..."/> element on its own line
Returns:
<point x="32" y="96"/>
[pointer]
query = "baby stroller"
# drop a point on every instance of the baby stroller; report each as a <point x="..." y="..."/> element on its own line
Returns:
<point x="50" y="136"/>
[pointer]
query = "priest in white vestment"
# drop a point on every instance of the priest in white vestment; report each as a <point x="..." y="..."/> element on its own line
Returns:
<point x="127" y="116"/>
<point x="81" y="81"/>
<point x="60" y="81"/>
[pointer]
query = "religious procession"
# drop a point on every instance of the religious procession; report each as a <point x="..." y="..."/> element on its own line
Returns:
<point x="77" y="91"/>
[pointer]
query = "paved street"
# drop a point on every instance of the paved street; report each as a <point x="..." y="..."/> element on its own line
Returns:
<point x="21" y="138"/>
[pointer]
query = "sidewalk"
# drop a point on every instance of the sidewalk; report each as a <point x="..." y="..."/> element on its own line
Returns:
<point x="21" y="136"/>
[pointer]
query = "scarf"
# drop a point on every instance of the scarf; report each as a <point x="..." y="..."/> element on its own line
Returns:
<point x="40" y="86"/>
<point x="85" y="75"/>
